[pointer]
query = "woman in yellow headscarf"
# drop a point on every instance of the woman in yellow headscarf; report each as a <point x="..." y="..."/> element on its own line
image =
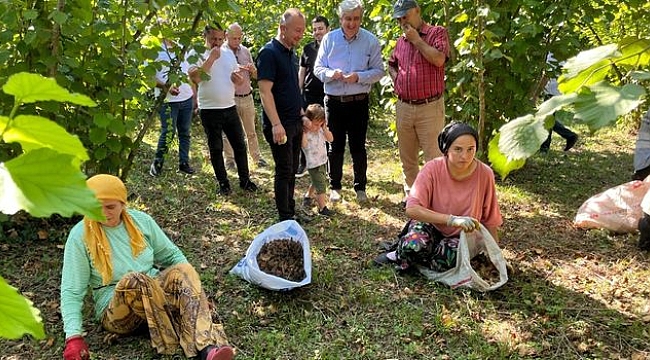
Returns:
<point x="119" y="260"/>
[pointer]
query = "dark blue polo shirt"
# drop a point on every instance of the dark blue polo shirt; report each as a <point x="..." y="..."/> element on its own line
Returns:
<point x="279" y="65"/>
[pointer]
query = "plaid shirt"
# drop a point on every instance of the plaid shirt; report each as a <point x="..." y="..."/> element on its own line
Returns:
<point x="416" y="77"/>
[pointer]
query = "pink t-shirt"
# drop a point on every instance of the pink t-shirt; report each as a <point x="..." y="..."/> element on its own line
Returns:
<point x="474" y="196"/>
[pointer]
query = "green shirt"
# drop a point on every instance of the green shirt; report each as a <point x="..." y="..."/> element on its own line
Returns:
<point x="79" y="275"/>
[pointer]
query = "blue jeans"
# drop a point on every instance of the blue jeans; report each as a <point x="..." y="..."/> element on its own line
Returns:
<point x="225" y="121"/>
<point x="285" y="157"/>
<point x="181" y="115"/>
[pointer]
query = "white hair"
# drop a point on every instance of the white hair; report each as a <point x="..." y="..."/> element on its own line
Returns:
<point x="347" y="6"/>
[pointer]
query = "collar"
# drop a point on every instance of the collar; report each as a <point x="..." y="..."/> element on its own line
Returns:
<point x="424" y="29"/>
<point x="356" y="36"/>
<point x="277" y="43"/>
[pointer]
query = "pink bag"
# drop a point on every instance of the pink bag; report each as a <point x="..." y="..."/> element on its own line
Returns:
<point x="617" y="209"/>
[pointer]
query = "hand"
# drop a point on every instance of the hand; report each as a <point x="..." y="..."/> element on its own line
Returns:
<point x="306" y="124"/>
<point x="279" y="134"/>
<point x="351" y="78"/>
<point x="467" y="223"/>
<point x="215" y="53"/>
<point x="174" y="90"/>
<point x="76" y="349"/>
<point x="338" y="74"/>
<point x="248" y="67"/>
<point x="236" y="77"/>
<point x="410" y="33"/>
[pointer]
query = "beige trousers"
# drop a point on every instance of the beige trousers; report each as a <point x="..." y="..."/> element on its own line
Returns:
<point x="246" y="111"/>
<point x="418" y="127"/>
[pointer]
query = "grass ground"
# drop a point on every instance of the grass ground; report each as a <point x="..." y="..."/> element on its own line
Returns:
<point x="573" y="294"/>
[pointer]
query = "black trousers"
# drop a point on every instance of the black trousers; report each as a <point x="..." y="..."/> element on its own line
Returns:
<point x="286" y="163"/>
<point x="218" y="121"/>
<point x="348" y="120"/>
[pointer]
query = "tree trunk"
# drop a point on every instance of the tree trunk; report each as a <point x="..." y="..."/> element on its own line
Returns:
<point x="481" y="79"/>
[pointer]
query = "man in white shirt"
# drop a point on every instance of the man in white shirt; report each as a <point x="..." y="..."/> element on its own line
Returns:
<point x="216" y="99"/>
<point x="178" y="107"/>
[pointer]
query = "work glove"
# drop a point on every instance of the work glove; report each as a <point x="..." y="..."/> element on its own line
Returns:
<point x="76" y="349"/>
<point x="467" y="223"/>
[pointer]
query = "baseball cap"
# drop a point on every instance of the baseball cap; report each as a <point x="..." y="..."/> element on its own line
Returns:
<point x="402" y="6"/>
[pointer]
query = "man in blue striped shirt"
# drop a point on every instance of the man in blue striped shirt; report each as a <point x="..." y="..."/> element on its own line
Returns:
<point x="348" y="63"/>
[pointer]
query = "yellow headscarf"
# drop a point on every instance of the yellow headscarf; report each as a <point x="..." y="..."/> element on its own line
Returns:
<point x="108" y="187"/>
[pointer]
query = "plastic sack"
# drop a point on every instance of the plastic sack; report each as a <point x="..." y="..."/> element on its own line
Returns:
<point x="248" y="269"/>
<point x="463" y="275"/>
<point x="617" y="209"/>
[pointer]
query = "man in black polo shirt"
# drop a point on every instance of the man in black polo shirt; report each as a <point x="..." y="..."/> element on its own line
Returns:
<point x="282" y="118"/>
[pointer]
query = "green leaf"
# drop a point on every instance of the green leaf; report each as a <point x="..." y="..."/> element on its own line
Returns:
<point x="44" y="182"/>
<point x="460" y="18"/>
<point x="102" y="120"/>
<point x="59" y="17"/>
<point x="606" y="103"/>
<point x="30" y="14"/>
<point x="30" y="88"/>
<point x="117" y="128"/>
<point x="587" y="68"/>
<point x="17" y="315"/>
<point x="4" y="121"/>
<point x="499" y="161"/>
<point x="640" y="75"/>
<point x="97" y="135"/>
<point x="520" y="138"/>
<point x="555" y="103"/>
<point x="589" y="58"/>
<point x="34" y="132"/>
<point x="635" y="52"/>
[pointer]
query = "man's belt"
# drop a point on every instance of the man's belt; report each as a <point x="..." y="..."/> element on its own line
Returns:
<point x="348" y="98"/>
<point x="237" y="95"/>
<point x="421" y="101"/>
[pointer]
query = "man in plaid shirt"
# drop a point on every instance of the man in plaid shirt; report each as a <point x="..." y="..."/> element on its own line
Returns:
<point x="417" y="67"/>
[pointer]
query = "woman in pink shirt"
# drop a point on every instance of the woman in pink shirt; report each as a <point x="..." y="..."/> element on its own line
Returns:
<point x="451" y="193"/>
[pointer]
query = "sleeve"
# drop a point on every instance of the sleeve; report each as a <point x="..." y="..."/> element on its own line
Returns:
<point x="165" y="252"/>
<point x="303" y="57"/>
<point x="321" y="64"/>
<point x="234" y="66"/>
<point x="162" y="59"/>
<point x="375" y="69"/>
<point x="75" y="278"/>
<point x="266" y="65"/>
<point x="392" y="60"/>
<point x="422" y="190"/>
<point x="441" y="40"/>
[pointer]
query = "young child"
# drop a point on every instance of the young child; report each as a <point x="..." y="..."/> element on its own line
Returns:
<point x="314" y="147"/>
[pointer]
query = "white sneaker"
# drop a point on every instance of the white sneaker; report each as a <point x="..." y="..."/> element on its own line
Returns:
<point x="361" y="196"/>
<point x="335" y="196"/>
